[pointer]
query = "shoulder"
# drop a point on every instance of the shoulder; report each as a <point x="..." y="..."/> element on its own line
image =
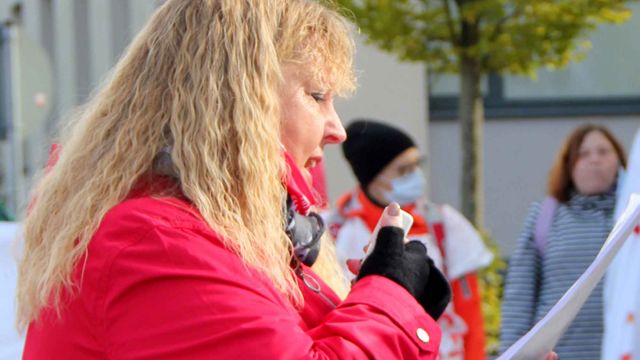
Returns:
<point x="139" y="216"/>
<point x="156" y="246"/>
<point x="150" y="239"/>
<point x="448" y="210"/>
<point x="153" y="225"/>
<point x="452" y="217"/>
<point x="530" y="220"/>
<point x="454" y="222"/>
<point x="150" y="211"/>
<point x="465" y="249"/>
<point x="533" y="211"/>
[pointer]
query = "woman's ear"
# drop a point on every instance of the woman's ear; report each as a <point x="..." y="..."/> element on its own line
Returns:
<point x="381" y="183"/>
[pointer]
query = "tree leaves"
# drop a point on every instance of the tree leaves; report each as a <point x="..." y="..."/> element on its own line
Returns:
<point x="513" y="36"/>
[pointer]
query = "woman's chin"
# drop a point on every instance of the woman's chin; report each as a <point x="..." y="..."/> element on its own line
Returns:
<point x="594" y="190"/>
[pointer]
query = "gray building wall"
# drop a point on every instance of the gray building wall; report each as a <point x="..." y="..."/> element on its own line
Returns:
<point x="82" y="40"/>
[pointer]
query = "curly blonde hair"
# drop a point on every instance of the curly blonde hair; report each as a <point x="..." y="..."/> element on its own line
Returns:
<point x="202" y="77"/>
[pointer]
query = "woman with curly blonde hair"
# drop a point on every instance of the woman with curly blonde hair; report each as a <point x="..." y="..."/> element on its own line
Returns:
<point x="177" y="220"/>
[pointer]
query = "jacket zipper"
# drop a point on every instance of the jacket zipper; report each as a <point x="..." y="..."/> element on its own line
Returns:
<point x="312" y="284"/>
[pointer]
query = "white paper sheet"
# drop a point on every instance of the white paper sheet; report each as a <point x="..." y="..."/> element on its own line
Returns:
<point x="543" y="337"/>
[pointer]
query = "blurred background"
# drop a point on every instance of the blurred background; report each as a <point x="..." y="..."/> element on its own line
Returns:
<point x="53" y="53"/>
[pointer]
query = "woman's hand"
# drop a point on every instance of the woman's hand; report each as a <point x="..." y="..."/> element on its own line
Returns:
<point x="390" y="217"/>
<point x="407" y="264"/>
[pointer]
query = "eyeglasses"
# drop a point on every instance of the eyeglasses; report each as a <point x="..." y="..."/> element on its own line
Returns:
<point x="409" y="168"/>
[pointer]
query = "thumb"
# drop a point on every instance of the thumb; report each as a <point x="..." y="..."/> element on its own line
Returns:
<point x="391" y="216"/>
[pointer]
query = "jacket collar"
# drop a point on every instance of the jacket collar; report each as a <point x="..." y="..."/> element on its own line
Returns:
<point x="605" y="201"/>
<point x="356" y="204"/>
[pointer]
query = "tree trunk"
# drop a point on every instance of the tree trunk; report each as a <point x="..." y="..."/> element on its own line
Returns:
<point x="471" y="113"/>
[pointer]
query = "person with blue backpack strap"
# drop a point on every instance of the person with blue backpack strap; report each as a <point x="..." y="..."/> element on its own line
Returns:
<point x="561" y="237"/>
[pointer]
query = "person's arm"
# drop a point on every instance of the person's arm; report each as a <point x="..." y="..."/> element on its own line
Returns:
<point x="522" y="283"/>
<point x="177" y="294"/>
<point x="468" y="304"/>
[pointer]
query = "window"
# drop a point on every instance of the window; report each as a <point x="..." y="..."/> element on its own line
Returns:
<point x="607" y="82"/>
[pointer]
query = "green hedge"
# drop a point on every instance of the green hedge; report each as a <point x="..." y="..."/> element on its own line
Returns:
<point x="491" y="285"/>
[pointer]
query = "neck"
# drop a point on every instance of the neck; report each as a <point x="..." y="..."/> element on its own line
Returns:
<point x="374" y="200"/>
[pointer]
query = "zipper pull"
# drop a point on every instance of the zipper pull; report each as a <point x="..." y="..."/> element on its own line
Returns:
<point x="310" y="282"/>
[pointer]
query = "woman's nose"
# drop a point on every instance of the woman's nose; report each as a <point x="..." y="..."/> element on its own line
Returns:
<point x="334" y="131"/>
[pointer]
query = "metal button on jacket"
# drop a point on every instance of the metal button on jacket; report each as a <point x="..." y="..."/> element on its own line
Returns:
<point x="423" y="335"/>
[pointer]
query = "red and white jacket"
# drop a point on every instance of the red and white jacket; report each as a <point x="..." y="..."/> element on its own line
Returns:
<point x="452" y="242"/>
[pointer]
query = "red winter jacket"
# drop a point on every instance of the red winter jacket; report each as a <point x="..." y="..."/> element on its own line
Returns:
<point x="159" y="284"/>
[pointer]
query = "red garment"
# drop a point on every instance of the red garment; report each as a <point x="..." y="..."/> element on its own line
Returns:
<point x="320" y="185"/>
<point x="370" y="213"/>
<point x="297" y="187"/>
<point x="468" y="304"/>
<point x="159" y="284"/>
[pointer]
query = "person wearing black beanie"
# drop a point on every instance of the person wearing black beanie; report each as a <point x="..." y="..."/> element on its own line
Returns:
<point x="370" y="146"/>
<point x="386" y="162"/>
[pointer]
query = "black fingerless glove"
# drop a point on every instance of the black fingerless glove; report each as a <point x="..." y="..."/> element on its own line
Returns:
<point x="409" y="266"/>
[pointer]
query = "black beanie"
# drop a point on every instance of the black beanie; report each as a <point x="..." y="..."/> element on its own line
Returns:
<point x="372" y="145"/>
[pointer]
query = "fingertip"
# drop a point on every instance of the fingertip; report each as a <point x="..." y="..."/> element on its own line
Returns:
<point x="393" y="209"/>
<point x="391" y="216"/>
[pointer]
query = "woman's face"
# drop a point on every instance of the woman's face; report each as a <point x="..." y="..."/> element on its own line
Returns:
<point x="595" y="170"/>
<point x="309" y="120"/>
<point x="405" y="163"/>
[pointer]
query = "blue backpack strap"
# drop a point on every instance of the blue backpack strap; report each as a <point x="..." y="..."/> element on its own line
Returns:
<point x="543" y="224"/>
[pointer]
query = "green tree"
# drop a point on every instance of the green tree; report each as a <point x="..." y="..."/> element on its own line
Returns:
<point x="473" y="38"/>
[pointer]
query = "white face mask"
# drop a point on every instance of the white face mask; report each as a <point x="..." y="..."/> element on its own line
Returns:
<point x="407" y="189"/>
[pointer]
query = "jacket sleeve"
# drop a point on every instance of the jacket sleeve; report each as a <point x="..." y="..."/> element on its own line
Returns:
<point x="522" y="283"/>
<point x="174" y="295"/>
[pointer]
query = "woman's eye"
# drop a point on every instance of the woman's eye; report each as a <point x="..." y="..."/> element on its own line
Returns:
<point x="405" y="170"/>
<point x="319" y="97"/>
<point x="604" y="151"/>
